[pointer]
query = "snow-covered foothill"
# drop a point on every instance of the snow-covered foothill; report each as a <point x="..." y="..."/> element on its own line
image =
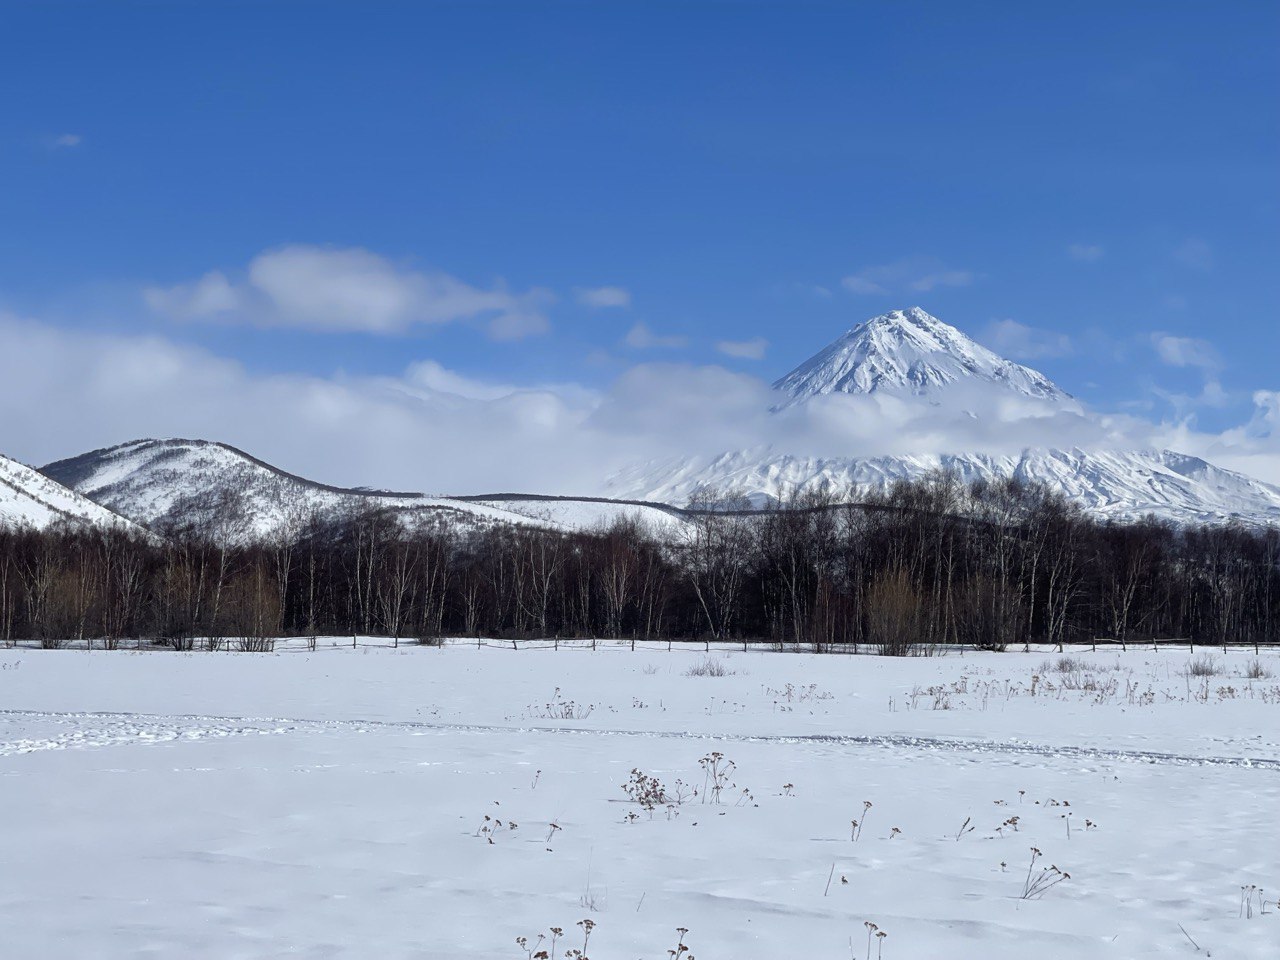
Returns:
<point x="215" y="486"/>
<point x="28" y="498"/>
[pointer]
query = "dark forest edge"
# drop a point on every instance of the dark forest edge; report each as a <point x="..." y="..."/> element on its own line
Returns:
<point x="932" y="563"/>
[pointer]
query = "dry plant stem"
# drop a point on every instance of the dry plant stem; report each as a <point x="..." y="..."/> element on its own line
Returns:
<point x="829" y="876"/>
<point x="1188" y="936"/>
<point x="858" y="824"/>
<point x="1045" y="880"/>
<point x="679" y="951"/>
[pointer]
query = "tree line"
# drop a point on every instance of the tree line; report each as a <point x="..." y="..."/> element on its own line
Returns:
<point x="929" y="563"/>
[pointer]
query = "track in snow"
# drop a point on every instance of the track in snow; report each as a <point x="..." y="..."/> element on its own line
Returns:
<point x="100" y="729"/>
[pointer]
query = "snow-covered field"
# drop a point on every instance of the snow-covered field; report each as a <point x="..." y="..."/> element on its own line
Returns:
<point x="339" y="803"/>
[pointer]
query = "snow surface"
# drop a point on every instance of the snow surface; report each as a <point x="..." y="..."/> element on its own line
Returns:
<point x="328" y="803"/>
<point x="29" y="498"/>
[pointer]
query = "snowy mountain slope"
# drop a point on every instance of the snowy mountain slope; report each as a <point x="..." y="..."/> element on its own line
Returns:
<point x="28" y="498"/>
<point x="219" y="489"/>
<point x="1121" y="485"/>
<point x="910" y="353"/>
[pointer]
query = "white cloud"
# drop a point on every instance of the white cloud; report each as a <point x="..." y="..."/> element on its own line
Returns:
<point x="1266" y="414"/>
<point x="427" y="429"/>
<point x="429" y="379"/>
<point x="752" y="349"/>
<point x="433" y="377"/>
<point x="67" y="140"/>
<point x="339" y="290"/>
<point x="914" y="274"/>
<point x="1012" y="339"/>
<point x="1194" y="253"/>
<point x="602" y="296"/>
<point x="1086" y="252"/>
<point x="640" y="337"/>
<point x="434" y="429"/>
<point x="1185" y="351"/>
<point x="430" y="428"/>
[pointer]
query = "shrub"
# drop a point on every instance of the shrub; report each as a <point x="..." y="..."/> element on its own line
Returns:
<point x="709" y="667"/>
<point x="1203" y="666"/>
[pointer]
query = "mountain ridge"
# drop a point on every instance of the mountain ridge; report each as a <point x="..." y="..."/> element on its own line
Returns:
<point x="1112" y="484"/>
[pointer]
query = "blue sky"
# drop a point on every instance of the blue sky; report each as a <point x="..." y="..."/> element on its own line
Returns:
<point x="1091" y="188"/>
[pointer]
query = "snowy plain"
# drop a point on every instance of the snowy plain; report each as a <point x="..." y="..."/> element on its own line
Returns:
<point x="332" y="803"/>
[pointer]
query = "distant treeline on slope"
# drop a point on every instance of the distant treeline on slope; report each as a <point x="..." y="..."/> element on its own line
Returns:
<point x="932" y="562"/>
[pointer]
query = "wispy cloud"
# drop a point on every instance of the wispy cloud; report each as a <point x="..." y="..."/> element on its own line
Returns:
<point x="1020" y="342"/>
<point x="815" y="290"/>
<point x="1185" y="352"/>
<point x="341" y="290"/>
<point x="1194" y="253"/>
<point x="943" y="278"/>
<point x="602" y="296"/>
<point x="753" y="349"/>
<point x="640" y="337"/>
<point x="861" y="283"/>
<point x="1085" y="252"/>
<point x="1184" y="405"/>
<point x="66" y="141"/>
<point x="913" y="274"/>
<point x="1195" y="354"/>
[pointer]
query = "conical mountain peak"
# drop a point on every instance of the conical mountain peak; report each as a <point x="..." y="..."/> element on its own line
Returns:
<point x="911" y="353"/>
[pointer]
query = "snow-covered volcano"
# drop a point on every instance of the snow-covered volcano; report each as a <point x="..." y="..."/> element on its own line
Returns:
<point x="915" y="358"/>
<point x="910" y="353"/>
